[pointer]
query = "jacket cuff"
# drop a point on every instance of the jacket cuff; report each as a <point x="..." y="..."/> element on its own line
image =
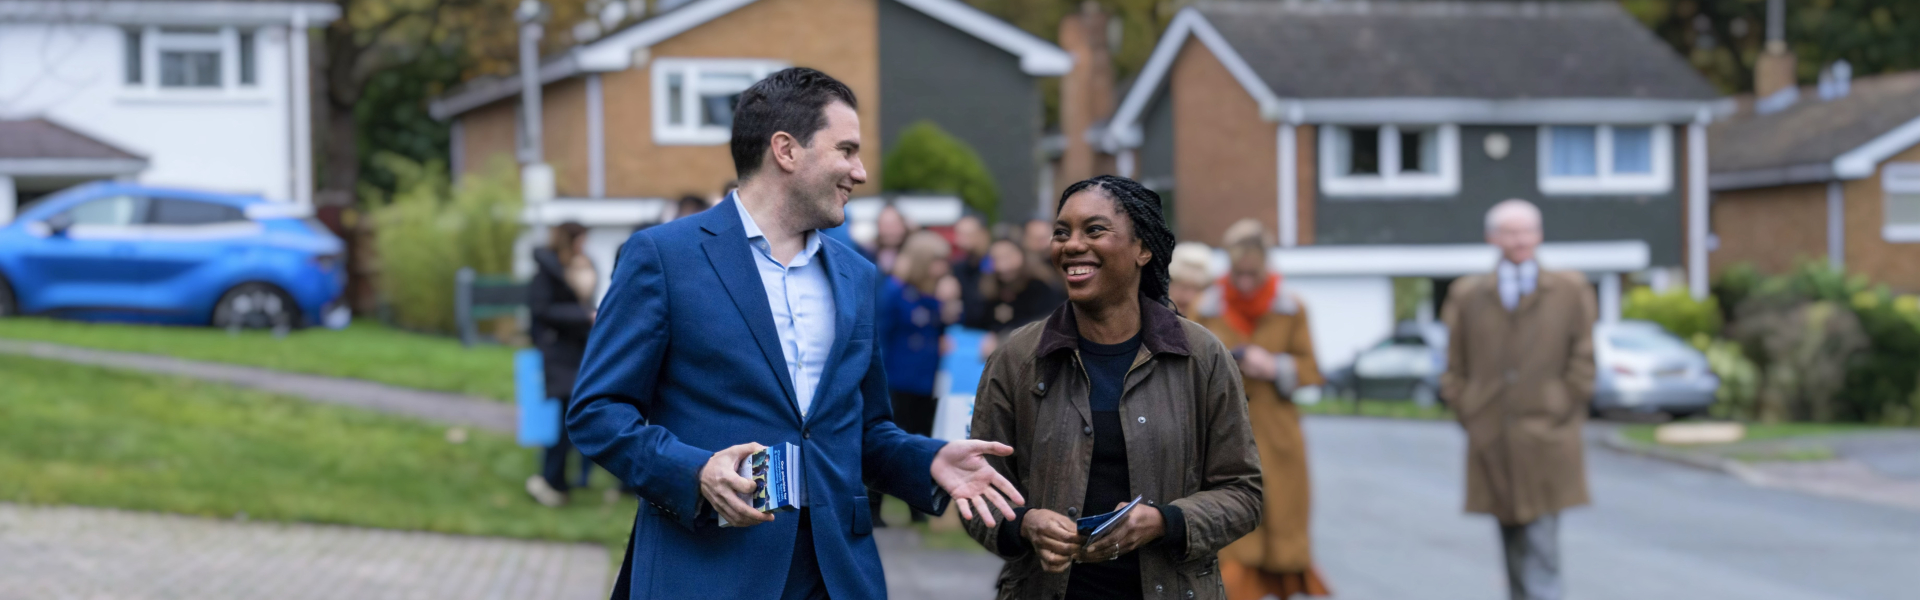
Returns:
<point x="1010" y="541"/>
<point x="1175" y="525"/>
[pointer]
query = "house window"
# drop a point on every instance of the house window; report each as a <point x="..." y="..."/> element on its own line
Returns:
<point x="1900" y="182"/>
<point x="1390" y="160"/>
<point x="693" y="99"/>
<point x="247" y="75"/>
<point x="189" y="57"/>
<point x="130" y="53"/>
<point x="1606" y="159"/>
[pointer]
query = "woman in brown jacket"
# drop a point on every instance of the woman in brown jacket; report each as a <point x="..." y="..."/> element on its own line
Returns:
<point x="1115" y="397"/>
<point x="1267" y="329"/>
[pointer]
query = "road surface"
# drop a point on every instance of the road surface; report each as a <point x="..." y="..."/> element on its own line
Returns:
<point x="1388" y="525"/>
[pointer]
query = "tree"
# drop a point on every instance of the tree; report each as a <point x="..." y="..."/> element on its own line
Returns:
<point x="926" y="159"/>
<point x="1723" y="38"/>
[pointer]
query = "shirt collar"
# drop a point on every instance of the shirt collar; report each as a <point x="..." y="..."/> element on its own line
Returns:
<point x="759" y="238"/>
<point x="1528" y="269"/>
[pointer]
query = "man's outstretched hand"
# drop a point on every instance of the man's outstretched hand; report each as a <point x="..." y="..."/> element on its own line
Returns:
<point x="962" y="470"/>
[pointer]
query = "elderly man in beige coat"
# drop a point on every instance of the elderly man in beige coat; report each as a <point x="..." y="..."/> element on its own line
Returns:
<point x="1519" y="375"/>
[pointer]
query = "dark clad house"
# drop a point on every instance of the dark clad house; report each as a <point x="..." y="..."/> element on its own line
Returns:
<point x="1374" y="136"/>
<point x="1828" y="173"/>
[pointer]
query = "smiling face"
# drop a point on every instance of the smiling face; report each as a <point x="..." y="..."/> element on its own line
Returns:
<point x="1095" y="250"/>
<point x="827" y="171"/>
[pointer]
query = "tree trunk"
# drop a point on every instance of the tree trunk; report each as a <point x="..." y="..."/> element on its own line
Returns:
<point x="339" y="90"/>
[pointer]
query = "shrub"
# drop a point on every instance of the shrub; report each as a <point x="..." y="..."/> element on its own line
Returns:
<point x="1676" y="310"/>
<point x="428" y="231"/>
<point x="1830" y="347"/>
<point x="1739" y="381"/>
<point x="927" y="159"/>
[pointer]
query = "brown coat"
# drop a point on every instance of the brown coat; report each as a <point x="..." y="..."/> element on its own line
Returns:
<point x="1520" y="382"/>
<point x="1280" y="543"/>
<point x="1188" y="445"/>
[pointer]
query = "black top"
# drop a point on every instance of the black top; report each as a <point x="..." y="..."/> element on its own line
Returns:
<point x="559" y="323"/>
<point x="1107" y="481"/>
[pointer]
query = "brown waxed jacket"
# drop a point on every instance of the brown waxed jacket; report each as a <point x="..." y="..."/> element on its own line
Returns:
<point x="1519" y="381"/>
<point x="1188" y="445"/>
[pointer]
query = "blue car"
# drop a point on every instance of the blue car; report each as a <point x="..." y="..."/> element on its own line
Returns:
<point x="123" y="252"/>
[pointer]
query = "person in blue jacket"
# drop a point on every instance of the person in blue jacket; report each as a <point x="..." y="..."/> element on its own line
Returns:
<point x="910" y="322"/>
<point x="741" y="327"/>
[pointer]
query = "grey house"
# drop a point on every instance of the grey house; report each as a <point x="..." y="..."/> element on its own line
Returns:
<point x="1373" y="137"/>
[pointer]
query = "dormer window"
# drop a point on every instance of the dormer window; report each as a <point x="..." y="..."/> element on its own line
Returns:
<point x="189" y="58"/>
<point x="1390" y="160"/>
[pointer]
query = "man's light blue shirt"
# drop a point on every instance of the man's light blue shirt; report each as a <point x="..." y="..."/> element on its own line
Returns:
<point x="802" y="301"/>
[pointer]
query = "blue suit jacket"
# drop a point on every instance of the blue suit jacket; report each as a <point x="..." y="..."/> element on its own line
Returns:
<point x="684" y="361"/>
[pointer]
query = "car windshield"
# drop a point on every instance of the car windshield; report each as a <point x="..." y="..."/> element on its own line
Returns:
<point x="1647" y="340"/>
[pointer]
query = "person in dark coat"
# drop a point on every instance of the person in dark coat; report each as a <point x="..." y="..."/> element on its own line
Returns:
<point x="1012" y="294"/>
<point x="560" y="301"/>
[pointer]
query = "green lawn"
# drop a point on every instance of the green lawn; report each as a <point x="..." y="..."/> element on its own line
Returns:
<point x="364" y="350"/>
<point x="89" y="436"/>
<point x="1391" y="409"/>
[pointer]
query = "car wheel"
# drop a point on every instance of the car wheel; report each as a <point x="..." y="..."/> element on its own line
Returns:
<point x="255" y="306"/>
<point x="1424" y="395"/>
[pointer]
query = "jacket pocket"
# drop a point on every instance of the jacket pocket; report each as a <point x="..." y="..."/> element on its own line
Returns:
<point x="862" y="516"/>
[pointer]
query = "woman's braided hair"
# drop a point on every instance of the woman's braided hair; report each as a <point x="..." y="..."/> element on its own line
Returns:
<point x="1142" y="205"/>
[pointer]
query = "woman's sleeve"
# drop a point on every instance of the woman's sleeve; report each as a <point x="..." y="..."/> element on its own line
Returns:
<point x="993" y="420"/>
<point x="1229" y="501"/>
<point x="1305" y="367"/>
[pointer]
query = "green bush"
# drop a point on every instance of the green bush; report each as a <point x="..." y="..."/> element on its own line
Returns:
<point x="428" y="231"/>
<point x="1676" y="310"/>
<point x="1829" y="346"/>
<point x="927" y="159"/>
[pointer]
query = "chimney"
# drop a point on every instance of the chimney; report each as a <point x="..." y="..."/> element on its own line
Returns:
<point x="1086" y="94"/>
<point x="1774" y="71"/>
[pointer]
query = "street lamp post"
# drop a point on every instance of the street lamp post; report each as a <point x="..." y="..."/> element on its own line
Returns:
<point x="536" y="177"/>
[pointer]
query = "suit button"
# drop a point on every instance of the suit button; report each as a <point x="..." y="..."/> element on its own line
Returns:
<point x="1073" y="511"/>
<point x="806" y="434"/>
<point x="1087" y="430"/>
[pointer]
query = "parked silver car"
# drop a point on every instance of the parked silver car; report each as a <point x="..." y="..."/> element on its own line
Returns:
<point x="1642" y="368"/>
<point x="1639" y="367"/>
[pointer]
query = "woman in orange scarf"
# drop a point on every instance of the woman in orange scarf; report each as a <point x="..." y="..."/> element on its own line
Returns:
<point x="1267" y="330"/>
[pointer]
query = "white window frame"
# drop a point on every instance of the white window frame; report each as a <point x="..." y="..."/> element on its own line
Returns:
<point x="690" y="132"/>
<point x="1904" y="179"/>
<point x="1392" y="181"/>
<point x="1604" y="181"/>
<point x="153" y="42"/>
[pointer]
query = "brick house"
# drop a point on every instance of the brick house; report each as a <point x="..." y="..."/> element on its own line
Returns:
<point x="641" y="115"/>
<point x="1830" y="172"/>
<point x="1373" y="136"/>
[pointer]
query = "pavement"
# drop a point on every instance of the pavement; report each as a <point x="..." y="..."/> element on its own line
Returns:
<point x="442" y="407"/>
<point x="72" y="552"/>
<point x="1881" y="467"/>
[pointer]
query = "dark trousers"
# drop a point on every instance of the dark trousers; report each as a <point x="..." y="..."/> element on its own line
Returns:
<point x="803" y="575"/>
<point x="914" y="414"/>
<point x="553" y="461"/>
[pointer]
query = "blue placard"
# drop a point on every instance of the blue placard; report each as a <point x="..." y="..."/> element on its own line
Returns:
<point x="963" y="365"/>
<point x="539" y="415"/>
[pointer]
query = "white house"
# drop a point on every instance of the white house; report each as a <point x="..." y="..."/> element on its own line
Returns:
<point x="202" y="94"/>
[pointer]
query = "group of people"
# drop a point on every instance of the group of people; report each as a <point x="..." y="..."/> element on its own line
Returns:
<point x="1121" y="373"/>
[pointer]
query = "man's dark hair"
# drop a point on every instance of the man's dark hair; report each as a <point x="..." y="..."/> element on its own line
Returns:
<point x="1142" y="206"/>
<point x="793" y="100"/>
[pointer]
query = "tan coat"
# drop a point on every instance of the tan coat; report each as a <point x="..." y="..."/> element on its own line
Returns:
<point x="1280" y="543"/>
<point x="1188" y="446"/>
<point x="1520" y="382"/>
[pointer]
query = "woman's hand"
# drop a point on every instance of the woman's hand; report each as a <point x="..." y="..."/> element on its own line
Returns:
<point x="1257" y="364"/>
<point x="1055" y="538"/>
<point x="1144" y="524"/>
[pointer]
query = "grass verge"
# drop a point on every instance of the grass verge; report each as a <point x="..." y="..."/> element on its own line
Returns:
<point x="1390" y="409"/>
<point x="73" y="434"/>
<point x="363" y="350"/>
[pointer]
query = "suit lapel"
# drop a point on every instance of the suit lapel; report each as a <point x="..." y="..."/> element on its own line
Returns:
<point x="845" y="307"/>
<point x="731" y="258"/>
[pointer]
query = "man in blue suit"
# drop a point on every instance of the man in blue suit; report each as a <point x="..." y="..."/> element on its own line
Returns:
<point x="743" y="326"/>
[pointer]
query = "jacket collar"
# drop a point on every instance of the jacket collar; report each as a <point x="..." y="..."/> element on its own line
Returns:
<point x="1160" y="330"/>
